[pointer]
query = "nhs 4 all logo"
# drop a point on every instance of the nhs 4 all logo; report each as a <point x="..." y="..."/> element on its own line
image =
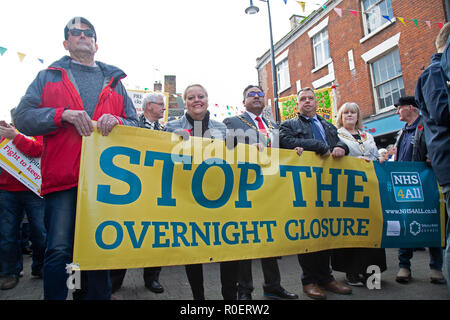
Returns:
<point x="407" y="186"/>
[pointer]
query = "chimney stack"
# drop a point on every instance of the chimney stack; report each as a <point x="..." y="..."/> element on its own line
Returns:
<point x="157" y="86"/>
<point x="170" y="86"/>
<point x="295" y="20"/>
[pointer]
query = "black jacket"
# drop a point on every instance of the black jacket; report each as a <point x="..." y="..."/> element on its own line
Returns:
<point x="141" y="123"/>
<point x="432" y="98"/>
<point x="297" y="132"/>
<point x="419" y="148"/>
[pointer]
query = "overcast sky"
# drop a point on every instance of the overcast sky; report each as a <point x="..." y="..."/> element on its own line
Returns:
<point x="212" y="42"/>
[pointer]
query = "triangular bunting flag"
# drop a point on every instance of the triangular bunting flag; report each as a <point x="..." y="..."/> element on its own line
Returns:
<point x="338" y="11"/>
<point x="402" y="20"/>
<point x="2" y="50"/>
<point x="428" y="24"/>
<point x="41" y="60"/>
<point x="354" y="12"/>
<point x="415" y="22"/>
<point x="440" y="24"/>
<point x="21" y="56"/>
<point x="324" y="7"/>
<point x="285" y="1"/>
<point x="302" y="4"/>
<point x="387" y="18"/>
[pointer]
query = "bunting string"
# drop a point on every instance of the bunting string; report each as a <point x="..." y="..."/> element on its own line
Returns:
<point x="20" y="55"/>
<point x="339" y="11"/>
<point x="221" y="112"/>
<point x="356" y="13"/>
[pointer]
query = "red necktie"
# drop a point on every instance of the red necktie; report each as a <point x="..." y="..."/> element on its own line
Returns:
<point x="261" y="126"/>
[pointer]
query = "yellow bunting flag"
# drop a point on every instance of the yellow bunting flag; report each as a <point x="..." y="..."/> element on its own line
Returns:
<point x="21" y="56"/>
<point x="302" y="4"/>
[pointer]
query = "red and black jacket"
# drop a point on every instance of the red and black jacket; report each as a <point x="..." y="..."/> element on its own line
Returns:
<point x="40" y="111"/>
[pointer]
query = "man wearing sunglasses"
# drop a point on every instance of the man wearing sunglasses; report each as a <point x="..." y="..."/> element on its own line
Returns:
<point x="262" y="131"/>
<point x="257" y="129"/>
<point x="61" y="104"/>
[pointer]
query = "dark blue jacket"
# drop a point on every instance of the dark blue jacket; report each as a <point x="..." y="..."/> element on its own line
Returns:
<point x="445" y="62"/>
<point x="418" y="148"/>
<point x="432" y="98"/>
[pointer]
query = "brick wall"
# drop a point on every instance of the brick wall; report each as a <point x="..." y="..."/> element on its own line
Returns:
<point x="170" y="86"/>
<point x="416" y="46"/>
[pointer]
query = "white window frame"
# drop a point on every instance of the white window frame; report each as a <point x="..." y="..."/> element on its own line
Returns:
<point x="366" y="22"/>
<point x="375" y="87"/>
<point x="283" y="78"/>
<point x="312" y="33"/>
<point x="322" y="42"/>
<point x="374" y="54"/>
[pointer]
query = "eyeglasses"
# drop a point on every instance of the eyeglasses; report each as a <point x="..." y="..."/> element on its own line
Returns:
<point x="161" y="104"/>
<point x="77" y="32"/>
<point x="254" y="94"/>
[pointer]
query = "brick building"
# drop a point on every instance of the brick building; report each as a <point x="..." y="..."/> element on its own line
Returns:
<point x="176" y="104"/>
<point x="373" y="51"/>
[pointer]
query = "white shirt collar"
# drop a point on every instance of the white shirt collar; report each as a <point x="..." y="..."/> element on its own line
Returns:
<point x="253" y="116"/>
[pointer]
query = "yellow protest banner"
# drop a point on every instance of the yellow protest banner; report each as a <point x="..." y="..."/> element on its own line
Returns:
<point x="150" y="198"/>
<point x="325" y="102"/>
<point x="288" y="107"/>
<point x="325" y="105"/>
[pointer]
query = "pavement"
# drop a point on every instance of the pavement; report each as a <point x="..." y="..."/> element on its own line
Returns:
<point x="176" y="286"/>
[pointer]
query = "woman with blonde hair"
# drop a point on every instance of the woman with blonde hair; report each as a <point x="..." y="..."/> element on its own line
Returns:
<point x="354" y="261"/>
<point x="349" y="124"/>
<point x="196" y="122"/>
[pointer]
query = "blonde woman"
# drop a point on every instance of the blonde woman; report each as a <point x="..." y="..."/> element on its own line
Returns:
<point x="361" y="144"/>
<point x="196" y="122"/>
<point x="354" y="261"/>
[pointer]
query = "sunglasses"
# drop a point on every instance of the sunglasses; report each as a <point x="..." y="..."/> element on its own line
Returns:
<point x="87" y="32"/>
<point x="254" y="94"/>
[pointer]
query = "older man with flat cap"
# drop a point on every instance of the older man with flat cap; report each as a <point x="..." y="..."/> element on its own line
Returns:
<point x="411" y="146"/>
<point x="61" y="104"/>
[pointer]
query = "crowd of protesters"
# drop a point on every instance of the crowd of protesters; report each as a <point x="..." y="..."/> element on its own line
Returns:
<point x="59" y="108"/>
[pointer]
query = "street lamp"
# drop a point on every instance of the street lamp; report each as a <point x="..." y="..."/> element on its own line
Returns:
<point x="252" y="10"/>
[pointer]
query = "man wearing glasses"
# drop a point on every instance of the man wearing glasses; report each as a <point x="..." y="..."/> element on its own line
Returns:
<point x="60" y="104"/>
<point x="154" y="108"/>
<point x="257" y="130"/>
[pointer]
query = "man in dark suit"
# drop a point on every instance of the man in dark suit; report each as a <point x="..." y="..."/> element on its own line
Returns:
<point x="312" y="133"/>
<point x="255" y="129"/>
<point x="154" y="107"/>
